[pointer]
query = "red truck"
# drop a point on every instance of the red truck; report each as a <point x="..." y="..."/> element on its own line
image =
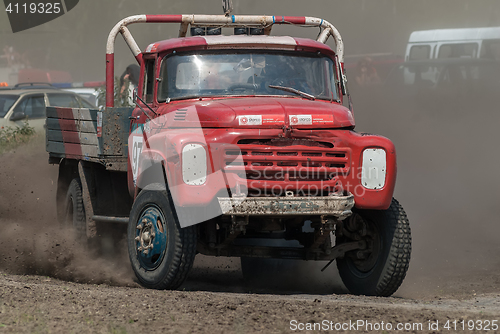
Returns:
<point x="239" y="145"/>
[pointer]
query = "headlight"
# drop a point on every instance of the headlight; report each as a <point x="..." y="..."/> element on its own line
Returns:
<point x="373" y="169"/>
<point x="194" y="164"/>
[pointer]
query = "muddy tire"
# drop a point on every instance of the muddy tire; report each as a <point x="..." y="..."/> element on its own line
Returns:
<point x="380" y="269"/>
<point x="74" y="211"/>
<point x="161" y="252"/>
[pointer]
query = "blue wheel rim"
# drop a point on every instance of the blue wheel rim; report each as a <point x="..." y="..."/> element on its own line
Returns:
<point x="151" y="237"/>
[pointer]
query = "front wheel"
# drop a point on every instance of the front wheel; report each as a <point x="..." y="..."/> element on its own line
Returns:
<point x="380" y="268"/>
<point x="160" y="251"/>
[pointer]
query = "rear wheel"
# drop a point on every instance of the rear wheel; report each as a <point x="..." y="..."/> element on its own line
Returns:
<point x="74" y="211"/>
<point x="379" y="269"/>
<point x="160" y="251"/>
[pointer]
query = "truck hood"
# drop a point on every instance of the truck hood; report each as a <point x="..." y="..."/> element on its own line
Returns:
<point x="256" y="112"/>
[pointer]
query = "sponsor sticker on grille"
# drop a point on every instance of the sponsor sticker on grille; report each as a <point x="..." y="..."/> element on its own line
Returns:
<point x="260" y="119"/>
<point x="300" y="119"/>
<point x="310" y="119"/>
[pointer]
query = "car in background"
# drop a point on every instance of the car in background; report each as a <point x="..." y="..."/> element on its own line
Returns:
<point x="88" y="90"/>
<point x="27" y="102"/>
<point x="90" y="94"/>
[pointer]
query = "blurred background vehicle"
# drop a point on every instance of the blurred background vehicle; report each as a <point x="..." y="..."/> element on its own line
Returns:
<point x="87" y="90"/>
<point x="454" y="43"/>
<point x="27" y="102"/>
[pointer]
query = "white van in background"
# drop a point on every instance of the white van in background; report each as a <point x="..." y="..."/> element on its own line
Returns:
<point x="439" y="51"/>
<point x="454" y="43"/>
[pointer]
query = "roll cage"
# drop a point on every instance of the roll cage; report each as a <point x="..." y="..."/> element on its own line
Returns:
<point x="185" y="21"/>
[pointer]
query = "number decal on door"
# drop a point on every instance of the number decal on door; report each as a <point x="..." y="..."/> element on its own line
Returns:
<point x="136" y="154"/>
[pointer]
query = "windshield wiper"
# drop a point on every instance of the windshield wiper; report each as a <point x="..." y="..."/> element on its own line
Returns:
<point x="295" y="91"/>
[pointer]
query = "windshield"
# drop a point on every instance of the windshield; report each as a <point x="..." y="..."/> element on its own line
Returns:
<point x="6" y="101"/>
<point x="215" y="74"/>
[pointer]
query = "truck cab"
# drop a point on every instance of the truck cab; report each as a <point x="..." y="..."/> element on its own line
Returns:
<point x="238" y="141"/>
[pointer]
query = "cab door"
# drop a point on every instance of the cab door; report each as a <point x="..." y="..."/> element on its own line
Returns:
<point x="146" y="92"/>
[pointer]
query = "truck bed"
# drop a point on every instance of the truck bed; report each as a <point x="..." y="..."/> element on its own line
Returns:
<point x="89" y="134"/>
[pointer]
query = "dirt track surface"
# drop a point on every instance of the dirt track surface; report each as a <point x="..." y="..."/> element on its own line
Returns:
<point x="448" y="184"/>
<point x="40" y="304"/>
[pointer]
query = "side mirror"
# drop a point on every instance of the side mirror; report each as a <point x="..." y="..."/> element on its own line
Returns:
<point x="134" y="94"/>
<point x="17" y="116"/>
<point x="342" y="79"/>
<point x="343" y="82"/>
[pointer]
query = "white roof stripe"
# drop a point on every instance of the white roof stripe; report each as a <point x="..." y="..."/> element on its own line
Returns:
<point x="255" y="39"/>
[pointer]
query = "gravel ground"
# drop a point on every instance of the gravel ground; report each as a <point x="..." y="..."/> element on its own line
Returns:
<point x="30" y="304"/>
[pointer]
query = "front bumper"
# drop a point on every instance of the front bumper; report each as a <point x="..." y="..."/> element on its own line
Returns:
<point x="337" y="206"/>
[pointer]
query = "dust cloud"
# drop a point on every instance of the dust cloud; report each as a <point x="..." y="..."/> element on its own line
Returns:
<point x="448" y="161"/>
<point x="31" y="239"/>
